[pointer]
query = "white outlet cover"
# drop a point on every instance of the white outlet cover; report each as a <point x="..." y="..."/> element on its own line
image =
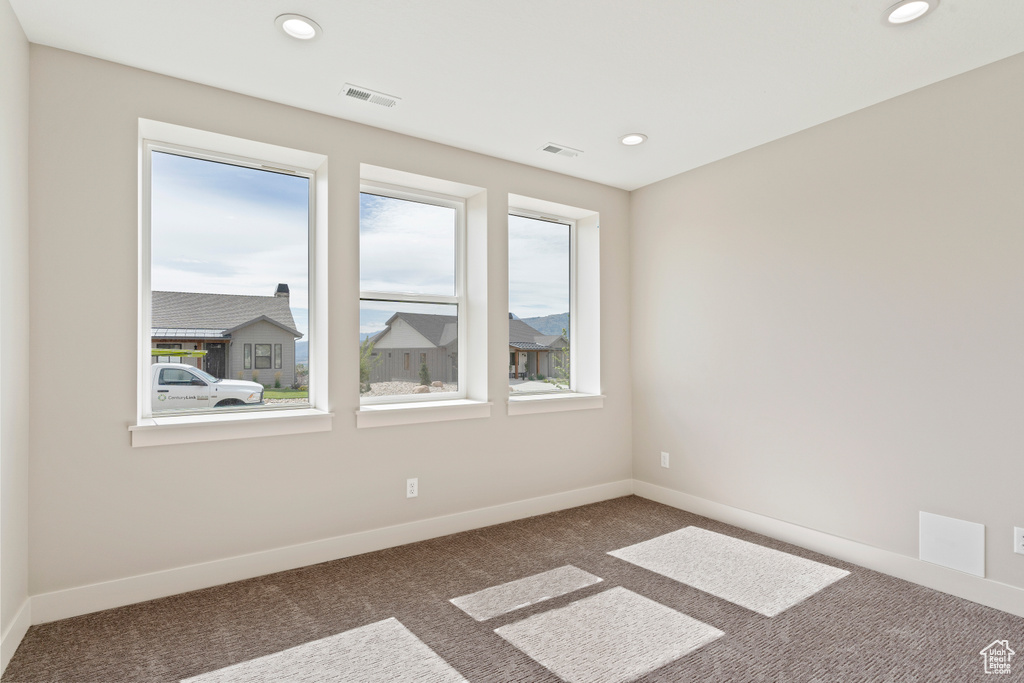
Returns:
<point x="953" y="543"/>
<point x="1018" y="540"/>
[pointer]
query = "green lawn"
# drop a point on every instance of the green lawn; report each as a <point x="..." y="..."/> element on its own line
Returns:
<point x="286" y="393"/>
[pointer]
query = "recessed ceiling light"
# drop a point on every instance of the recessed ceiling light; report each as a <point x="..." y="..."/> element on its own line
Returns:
<point x="298" y="26"/>
<point x="908" y="10"/>
<point x="633" y="139"/>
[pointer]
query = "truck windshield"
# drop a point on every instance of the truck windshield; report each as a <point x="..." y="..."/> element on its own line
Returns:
<point x="205" y="375"/>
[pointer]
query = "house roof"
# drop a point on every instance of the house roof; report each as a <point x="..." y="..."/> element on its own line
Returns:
<point x="439" y="330"/>
<point x="442" y="330"/>
<point x="526" y="338"/>
<point x="174" y="312"/>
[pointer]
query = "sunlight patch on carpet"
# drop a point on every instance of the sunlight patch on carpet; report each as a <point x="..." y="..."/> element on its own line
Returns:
<point x="761" y="579"/>
<point x="508" y="597"/>
<point x="612" y="637"/>
<point x="383" y="652"/>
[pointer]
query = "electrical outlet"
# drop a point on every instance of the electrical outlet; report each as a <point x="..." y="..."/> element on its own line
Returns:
<point x="412" y="488"/>
<point x="664" y="459"/>
<point x="1018" y="540"/>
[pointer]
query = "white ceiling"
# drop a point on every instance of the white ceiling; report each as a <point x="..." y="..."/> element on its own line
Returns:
<point x="703" y="79"/>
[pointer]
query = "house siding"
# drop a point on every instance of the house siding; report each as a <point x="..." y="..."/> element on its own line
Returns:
<point x="391" y="365"/>
<point x="262" y="333"/>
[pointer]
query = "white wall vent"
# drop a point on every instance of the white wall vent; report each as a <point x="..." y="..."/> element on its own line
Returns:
<point x="560" y="150"/>
<point x="366" y="95"/>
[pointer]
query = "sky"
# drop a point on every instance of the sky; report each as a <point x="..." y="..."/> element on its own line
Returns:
<point x="227" y="229"/>
<point x="409" y="247"/>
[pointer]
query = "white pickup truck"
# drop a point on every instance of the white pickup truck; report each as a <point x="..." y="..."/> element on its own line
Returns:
<point x="177" y="386"/>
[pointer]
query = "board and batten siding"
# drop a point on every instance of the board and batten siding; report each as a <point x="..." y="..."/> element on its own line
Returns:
<point x="390" y="364"/>
<point x="262" y="332"/>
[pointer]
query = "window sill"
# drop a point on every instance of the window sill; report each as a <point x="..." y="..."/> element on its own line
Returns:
<point x="163" y="431"/>
<point x="546" y="403"/>
<point x="390" y="414"/>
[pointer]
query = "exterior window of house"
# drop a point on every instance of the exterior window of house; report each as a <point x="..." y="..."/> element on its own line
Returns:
<point x="167" y="359"/>
<point x="412" y="298"/>
<point x="263" y="356"/>
<point x="540" y="275"/>
<point x="227" y="261"/>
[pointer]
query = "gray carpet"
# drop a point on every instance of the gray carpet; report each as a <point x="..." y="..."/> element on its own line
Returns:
<point x="863" y="627"/>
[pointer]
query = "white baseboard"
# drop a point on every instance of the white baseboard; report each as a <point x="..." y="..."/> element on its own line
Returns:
<point x="15" y="632"/>
<point x="994" y="594"/>
<point x="92" y="598"/>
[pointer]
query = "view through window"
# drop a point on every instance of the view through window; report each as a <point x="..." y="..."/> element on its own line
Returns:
<point x="410" y="299"/>
<point x="539" y="276"/>
<point x="229" y="283"/>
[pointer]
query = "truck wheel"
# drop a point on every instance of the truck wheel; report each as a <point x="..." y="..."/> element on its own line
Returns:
<point x="228" y="402"/>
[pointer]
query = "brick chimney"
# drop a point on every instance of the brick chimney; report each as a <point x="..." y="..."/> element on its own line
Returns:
<point x="282" y="290"/>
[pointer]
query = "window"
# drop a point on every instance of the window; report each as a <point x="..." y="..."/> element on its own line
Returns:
<point x="228" y="258"/>
<point x="554" y="307"/>
<point x="412" y="300"/>
<point x="171" y="377"/>
<point x="539" y="298"/>
<point x="167" y="359"/>
<point x="262" y="356"/>
<point x="232" y="245"/>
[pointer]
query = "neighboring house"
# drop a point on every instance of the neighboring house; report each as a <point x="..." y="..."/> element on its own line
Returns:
<point x="241" y="334"/>
<point x="531" y="353"/>
<point x="411" y="339"/>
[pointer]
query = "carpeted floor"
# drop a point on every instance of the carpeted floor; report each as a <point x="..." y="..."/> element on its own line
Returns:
<point x="865" y="626"/>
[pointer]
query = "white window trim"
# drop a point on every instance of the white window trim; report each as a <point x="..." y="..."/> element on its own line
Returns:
<point x="584" y="306"/>
<point x="473" y="366"/>
<point x="150" y="430"/>
<point x="458" y="299"/>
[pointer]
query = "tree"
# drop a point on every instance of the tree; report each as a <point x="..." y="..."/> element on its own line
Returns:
<point x="367" y="362"/>
<point x="561" y="361"/>
<point x="424" y="375"/>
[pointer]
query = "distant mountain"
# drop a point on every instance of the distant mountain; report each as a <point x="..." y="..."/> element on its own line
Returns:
<point x="302" y="352"/>
<point x="549" y="324"/>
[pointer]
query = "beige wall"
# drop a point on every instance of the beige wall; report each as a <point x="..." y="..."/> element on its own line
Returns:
<point x="14" y="316"/>
<point x="101" y="510"/>
<point x="832" y="324"/>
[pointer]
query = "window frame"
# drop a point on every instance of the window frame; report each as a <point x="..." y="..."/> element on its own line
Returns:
<point x="278" y="356"/>
<point x="571" y="224"/>
<point x="585" y="310"/>
<point x="200" y="426"/>
<point x="458" y="299"/>
<point x="269" y="356"/>
<point x="247" y="356"/>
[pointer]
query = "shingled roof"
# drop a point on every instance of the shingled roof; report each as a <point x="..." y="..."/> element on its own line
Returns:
<point x="226" y="312"/>
<point x="441" y="330"/>
<point x="525" y="338"/>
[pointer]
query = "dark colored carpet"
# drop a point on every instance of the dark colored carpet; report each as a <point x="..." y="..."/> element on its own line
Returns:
<point x="866" y="627"/>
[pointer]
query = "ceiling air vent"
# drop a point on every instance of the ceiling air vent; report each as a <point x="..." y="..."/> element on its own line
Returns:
<point x="367" y="95"/>
<point x="561" y="150"/>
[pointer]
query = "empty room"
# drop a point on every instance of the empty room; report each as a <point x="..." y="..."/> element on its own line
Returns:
<point x="489" y="341"/>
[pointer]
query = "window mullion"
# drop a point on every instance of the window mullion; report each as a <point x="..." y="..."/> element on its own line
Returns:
<point x="408" y="298"/>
